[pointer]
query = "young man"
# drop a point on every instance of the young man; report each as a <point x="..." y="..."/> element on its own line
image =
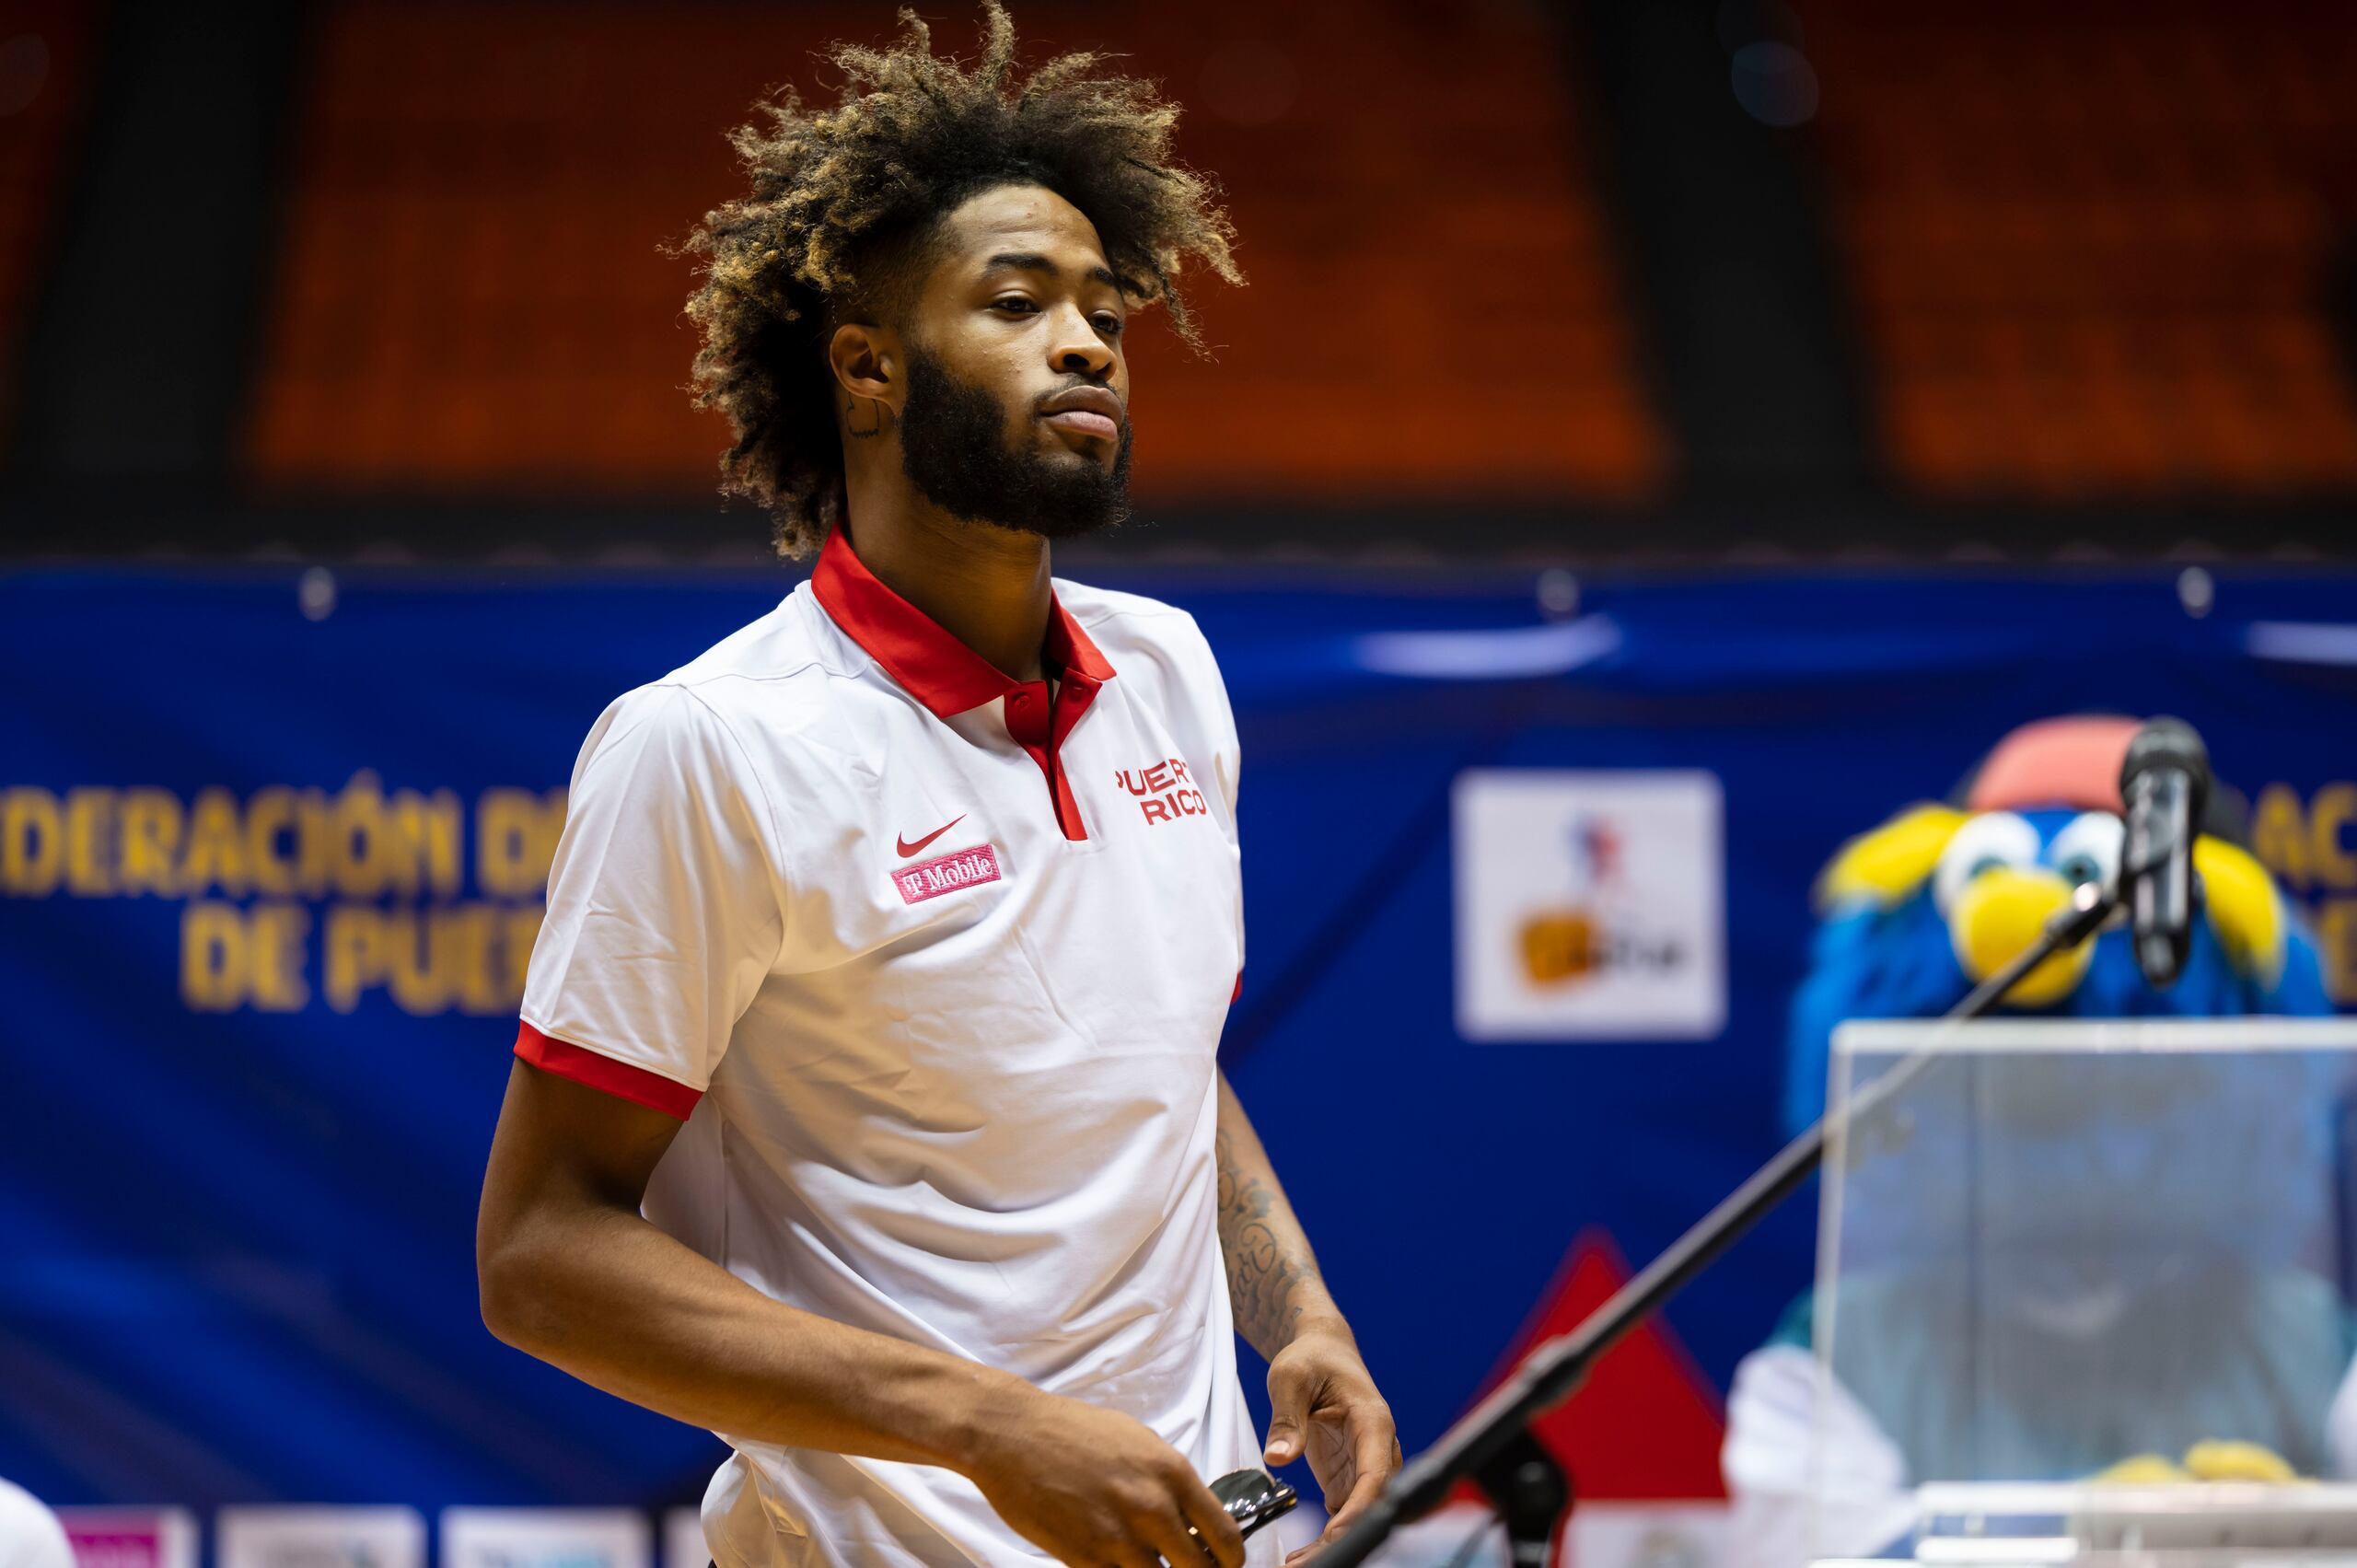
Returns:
<point x="868" y="1111"/>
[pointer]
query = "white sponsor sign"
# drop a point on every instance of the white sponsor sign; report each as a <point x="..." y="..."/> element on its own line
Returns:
<point x="1602" y="1535"/>
<point x="131" y="1538"/>
<point x="1459" y="1535"/>
<point x="1589" y="905"/>
<point x="1648" y="1535"/>
<point x="545" y="1537"/>
<point x="683" y="1543"/>
<point x="320" y="1538"/>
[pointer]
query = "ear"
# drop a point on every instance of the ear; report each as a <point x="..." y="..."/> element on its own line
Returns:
<point x="868" y="362"/>
<point x="1887" y="865"/>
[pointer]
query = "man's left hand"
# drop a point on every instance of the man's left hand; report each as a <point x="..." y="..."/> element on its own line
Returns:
<point x="1323" y="1402"/>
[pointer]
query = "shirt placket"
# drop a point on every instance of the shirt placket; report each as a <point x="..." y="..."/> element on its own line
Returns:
<point x="1039" y="721"/>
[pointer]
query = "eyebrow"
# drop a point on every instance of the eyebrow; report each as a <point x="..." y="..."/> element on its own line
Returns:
<point x="1032" y="262"/>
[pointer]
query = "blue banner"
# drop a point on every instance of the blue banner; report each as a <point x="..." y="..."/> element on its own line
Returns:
<point x="272" y="846"/>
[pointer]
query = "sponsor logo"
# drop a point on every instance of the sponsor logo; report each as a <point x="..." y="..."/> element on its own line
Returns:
<point x="1650" y="1535"/>
<point x="946" y="874"/>
<point x="1588" y="905"/>
<point x="283" y="1536"/>
<point x="907" y="849"/>
<point x="545" y="1537"/>
<point x="1574" y="940"/>
<point x="130" y="1538"/>
<point x="1164" y="791"/>
<point x="683" y="1542"/>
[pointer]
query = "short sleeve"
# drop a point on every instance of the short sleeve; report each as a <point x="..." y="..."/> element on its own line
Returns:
<point x="664" y="907"/>
<point x="1227" y="765"/>
<point x="1227" y="747"/>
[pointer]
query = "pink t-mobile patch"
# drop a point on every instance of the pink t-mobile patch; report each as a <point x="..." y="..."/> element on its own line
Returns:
<point x="930" y="879"/>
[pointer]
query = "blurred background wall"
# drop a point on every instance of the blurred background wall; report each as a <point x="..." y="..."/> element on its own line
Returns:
<point x="1773" y="401"/>
<point x="1605" y="280"/>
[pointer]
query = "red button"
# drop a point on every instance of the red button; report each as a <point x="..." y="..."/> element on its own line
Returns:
<point x="1027" y="713"/>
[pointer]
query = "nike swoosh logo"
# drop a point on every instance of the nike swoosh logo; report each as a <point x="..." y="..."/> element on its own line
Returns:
<point x="907" y="849"/>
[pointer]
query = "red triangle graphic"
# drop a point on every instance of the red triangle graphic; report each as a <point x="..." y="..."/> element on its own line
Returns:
<point x="1647" y="1425"/>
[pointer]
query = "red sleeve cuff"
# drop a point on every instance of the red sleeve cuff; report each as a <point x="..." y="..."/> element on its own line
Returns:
<point x="619" y="1078"/>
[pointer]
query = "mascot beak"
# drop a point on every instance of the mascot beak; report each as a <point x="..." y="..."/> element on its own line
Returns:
<point x="1996" y="918"/>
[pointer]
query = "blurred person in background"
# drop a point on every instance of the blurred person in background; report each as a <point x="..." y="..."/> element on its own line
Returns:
<point x="868" y="1111"/>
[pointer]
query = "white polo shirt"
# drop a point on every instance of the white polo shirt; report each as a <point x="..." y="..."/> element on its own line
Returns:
<point x="934" y="964"/>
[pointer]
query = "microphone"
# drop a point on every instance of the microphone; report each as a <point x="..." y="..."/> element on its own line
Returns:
<point x="2165" y="785"/>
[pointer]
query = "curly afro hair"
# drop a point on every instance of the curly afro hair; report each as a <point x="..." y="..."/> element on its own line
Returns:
<point x="843" y="200"/>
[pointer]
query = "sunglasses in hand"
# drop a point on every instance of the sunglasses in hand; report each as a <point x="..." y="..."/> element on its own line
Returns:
<point x="1254" y="1498"/>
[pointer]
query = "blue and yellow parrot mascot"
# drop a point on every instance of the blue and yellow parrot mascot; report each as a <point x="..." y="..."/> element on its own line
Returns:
<point x="1923" y="908"/>
<point x="1913" y="914"/>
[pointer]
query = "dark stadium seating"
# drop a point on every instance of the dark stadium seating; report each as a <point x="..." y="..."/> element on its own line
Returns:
<point x="2089" y="245"/>
<point x="472" y="295"/>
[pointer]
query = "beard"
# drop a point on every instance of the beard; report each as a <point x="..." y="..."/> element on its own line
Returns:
<point x="953" y="449"/>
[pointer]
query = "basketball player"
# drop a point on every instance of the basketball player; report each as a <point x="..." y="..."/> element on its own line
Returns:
<point x="867" y="1111"/>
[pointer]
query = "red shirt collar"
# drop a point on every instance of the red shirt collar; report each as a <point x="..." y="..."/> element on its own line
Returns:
<point x="934" y="667"/>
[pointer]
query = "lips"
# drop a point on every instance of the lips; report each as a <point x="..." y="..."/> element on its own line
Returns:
<point x="1085" y="423"/>
<point x="1086" y="411"/>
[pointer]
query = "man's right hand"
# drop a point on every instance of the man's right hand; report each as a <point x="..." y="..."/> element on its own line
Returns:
<point x="571" y="1272"/>
<point x="1094" y="1489"/>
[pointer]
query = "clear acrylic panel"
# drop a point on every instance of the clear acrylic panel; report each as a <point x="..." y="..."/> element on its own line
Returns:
<point x="2051" y="1247"/>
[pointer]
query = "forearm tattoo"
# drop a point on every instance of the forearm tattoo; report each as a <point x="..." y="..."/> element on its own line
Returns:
<point x="1271" y="1273"/>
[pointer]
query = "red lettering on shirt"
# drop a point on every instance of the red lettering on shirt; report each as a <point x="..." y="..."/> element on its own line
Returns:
<point x="1159" y="801"/>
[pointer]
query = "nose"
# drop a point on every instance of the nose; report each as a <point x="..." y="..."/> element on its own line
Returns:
<point x="1076" y="348"/>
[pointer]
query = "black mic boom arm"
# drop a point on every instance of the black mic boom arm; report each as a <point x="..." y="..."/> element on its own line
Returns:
<point x="1554" y="1369"/>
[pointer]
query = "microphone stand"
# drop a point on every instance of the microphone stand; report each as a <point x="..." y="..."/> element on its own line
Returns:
<point x="1492" y="1443"/>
